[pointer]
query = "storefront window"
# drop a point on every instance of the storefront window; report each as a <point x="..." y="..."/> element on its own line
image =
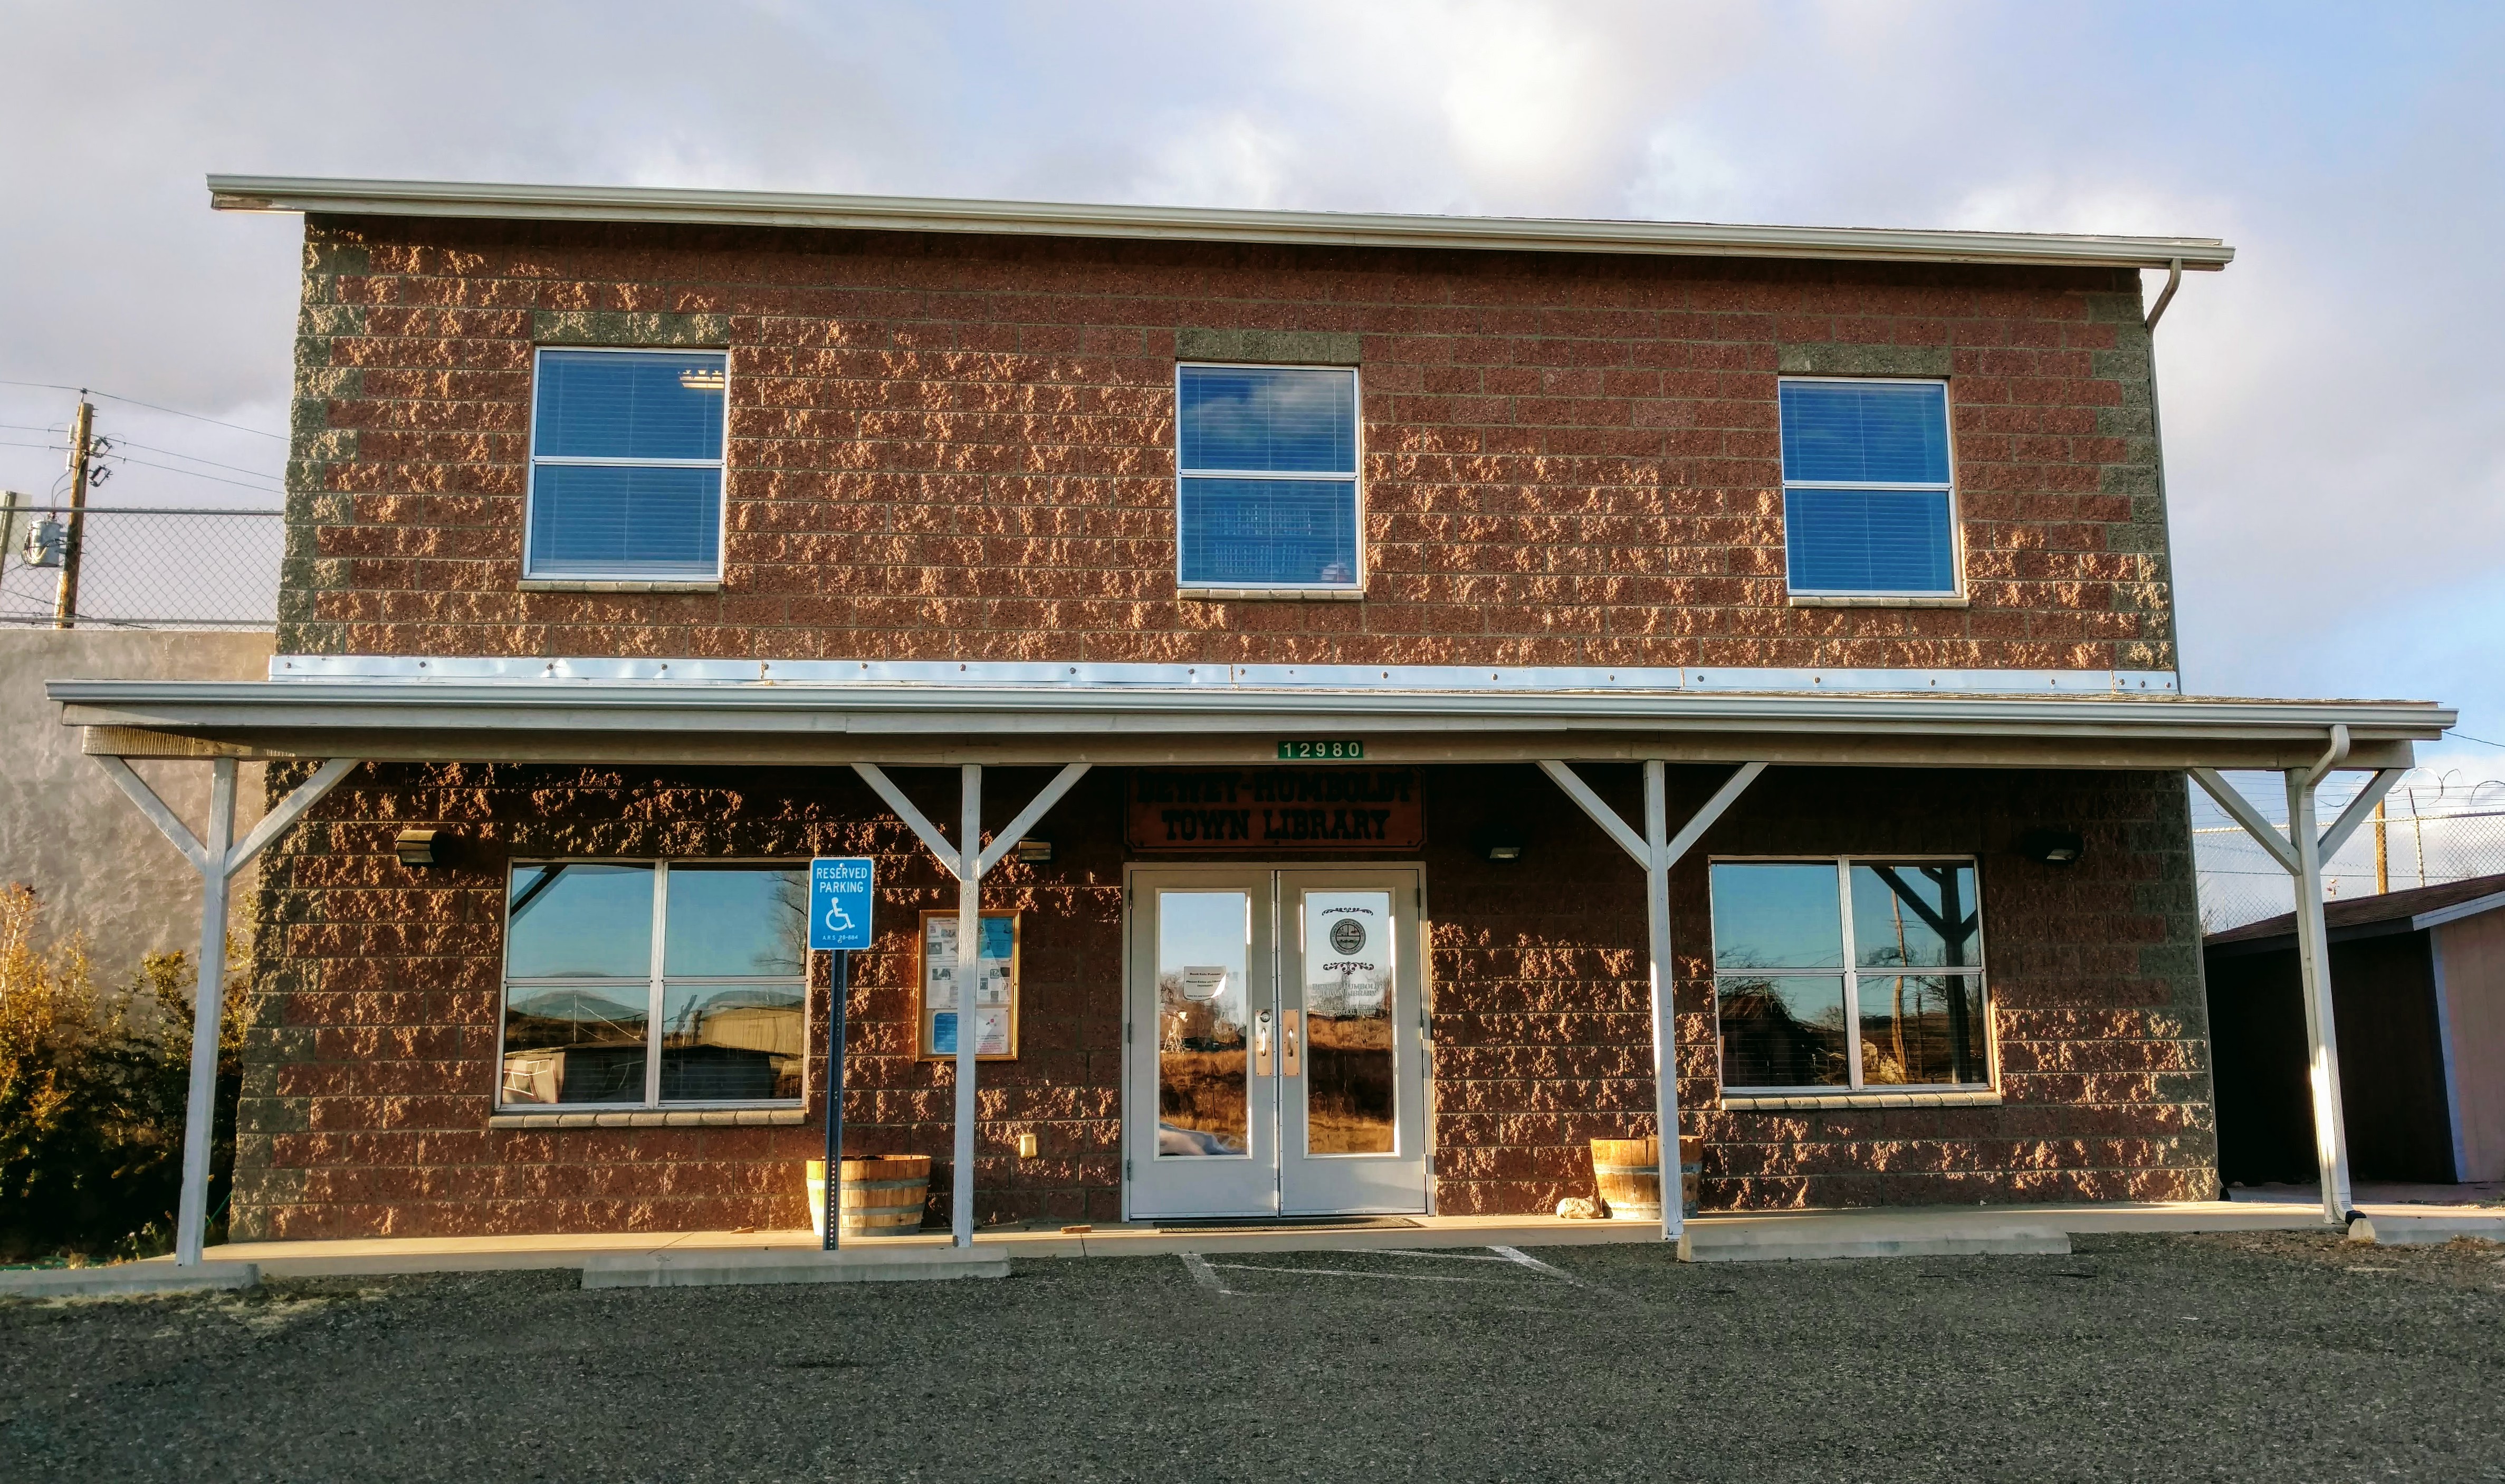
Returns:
<point x="1848" y="973"/>
<point x="643" y="983"/>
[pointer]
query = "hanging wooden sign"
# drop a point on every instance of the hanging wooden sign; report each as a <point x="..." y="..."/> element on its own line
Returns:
<point x="1270" y="810"/>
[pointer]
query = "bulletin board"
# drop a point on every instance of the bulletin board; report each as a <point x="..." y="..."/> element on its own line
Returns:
<point x="936" y="1008"/>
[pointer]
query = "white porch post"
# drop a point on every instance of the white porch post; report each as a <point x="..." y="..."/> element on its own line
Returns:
<point x="208" y="1011"/>
<point x="2301" y="853"/>
<point x="2321" y="1031"/>
<point x="1656" y="850"/>
<point x="217" y="861"/>
<point x="1665" y="1007"/>
<point x="969" y="862"/>
<point x="969" y="923"/>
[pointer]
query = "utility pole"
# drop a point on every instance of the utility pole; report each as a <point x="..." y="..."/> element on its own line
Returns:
<point x="74" y="532"/>
<point x="2382" y="852"/>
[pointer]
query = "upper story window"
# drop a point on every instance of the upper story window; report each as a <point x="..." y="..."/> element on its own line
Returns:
<point x="626" y="465"/>
<point x="1848" y="973"/>
<point x="1266" y="489"/>
<point x="1868" y="509"/>
<point x="652" y="982"/>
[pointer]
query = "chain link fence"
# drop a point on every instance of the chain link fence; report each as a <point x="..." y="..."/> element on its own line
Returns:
<point x="2433" y="828"/>
<point x="144" y="568"/>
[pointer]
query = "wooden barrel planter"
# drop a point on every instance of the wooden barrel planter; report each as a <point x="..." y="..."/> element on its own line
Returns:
<point x="1628" y="1173"/>
<point x="877" y="1195"/>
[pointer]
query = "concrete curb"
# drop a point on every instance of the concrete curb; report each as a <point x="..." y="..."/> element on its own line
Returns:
<point x="2391" y="1230"/>
<point x="715" y="1269"/>
<point x="1762" y="1247"/>
<point x="126" y="1280"/>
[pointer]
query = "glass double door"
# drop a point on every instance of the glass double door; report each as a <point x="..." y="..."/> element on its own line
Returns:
<point x="1275" y="1061"/>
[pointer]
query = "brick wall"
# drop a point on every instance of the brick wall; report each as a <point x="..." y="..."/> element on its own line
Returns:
<point x="371" y="1066"/>
<point x="960" y="448"/>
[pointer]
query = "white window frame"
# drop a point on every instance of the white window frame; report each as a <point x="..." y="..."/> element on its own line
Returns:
<point x="1355" y="477"/>
<point x="1852" y="976"/>
<point x="532" y="460"/>
<point x="657" y="985"/>
<point x="1957" y="588"/>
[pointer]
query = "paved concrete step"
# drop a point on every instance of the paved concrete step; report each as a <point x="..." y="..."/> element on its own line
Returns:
<point x="2389" y="1228"/>
<point x="1829" y="1240"/>
<point x="696" y="1269"/>
<point x="157" y="1275"/>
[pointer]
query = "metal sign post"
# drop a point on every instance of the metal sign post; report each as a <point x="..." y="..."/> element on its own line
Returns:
<point x="839" y="904"/>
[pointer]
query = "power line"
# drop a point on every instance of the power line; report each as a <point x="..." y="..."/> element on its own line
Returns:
<point x="116" y="443"/>
<point x="273" y="487"/>
<point x="53" y="386"/>
<point x="2467" y="737"/>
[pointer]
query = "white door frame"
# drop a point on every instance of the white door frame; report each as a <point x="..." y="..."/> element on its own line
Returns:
<point x="1412" y="985"/>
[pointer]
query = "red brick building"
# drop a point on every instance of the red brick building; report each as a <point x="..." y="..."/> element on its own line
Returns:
<point x="1378" y="577"/>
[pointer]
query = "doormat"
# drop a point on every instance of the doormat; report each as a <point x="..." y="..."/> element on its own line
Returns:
<point x="1236" y="1225"/>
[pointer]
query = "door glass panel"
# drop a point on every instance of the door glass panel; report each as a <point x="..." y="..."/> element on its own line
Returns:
<point x="1349" y="1082"/>
<point x="1203" y="1020"/>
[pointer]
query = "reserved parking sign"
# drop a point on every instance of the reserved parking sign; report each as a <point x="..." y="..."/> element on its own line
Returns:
<point x="840" y="903"/>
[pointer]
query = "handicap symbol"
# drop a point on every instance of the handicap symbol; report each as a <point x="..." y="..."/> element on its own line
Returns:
<point x="838" y="921"/>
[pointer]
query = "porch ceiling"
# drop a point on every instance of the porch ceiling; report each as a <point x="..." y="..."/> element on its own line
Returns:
<point x="657" y="720"/>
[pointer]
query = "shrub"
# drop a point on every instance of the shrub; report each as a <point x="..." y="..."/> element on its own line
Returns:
<point x="92" y="1095"/>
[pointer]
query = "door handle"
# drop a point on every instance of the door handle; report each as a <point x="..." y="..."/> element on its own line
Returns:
<point x="1292" y="1024"/>
<point x="1262" y="1044"/>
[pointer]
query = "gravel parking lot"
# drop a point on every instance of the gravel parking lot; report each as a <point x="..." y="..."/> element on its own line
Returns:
<point x="2265" y="1357"/>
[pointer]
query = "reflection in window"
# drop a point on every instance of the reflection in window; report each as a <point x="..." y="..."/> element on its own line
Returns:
<point x="1204" y="1022"/>
<point x="1788" y="1029"/>
<point x="594" y="1015"/>
<point x="1348" y="1076"/>
<point x="1265" y="459"/>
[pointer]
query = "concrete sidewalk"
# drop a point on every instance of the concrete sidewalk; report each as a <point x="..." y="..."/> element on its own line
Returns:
<point x="1754" y="1236"/>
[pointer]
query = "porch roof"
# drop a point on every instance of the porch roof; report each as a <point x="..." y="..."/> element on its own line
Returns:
<point x="438" y="709"/>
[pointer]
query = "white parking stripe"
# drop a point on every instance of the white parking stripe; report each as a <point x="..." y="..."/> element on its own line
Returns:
<point x="1198" y="1266"/>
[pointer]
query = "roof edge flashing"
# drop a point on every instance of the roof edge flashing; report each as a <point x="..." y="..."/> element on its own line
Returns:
<point x="886" y="213"/>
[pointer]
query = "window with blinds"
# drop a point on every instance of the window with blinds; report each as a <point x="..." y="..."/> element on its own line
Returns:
<point x="626" y="465"/>
<point x="1868" y="505"/>
<point x="1265" y="458"/>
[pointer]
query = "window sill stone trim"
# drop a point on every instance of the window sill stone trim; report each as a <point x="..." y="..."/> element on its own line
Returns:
<point x="597" y="584"/>
<point x="1308" y="594"/>
<point x="1785" y="1102"/>
<point x="1906" y="600"/>
<point x="657" y="1118"/>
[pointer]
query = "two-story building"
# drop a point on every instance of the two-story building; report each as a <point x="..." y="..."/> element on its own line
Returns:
<point x="1469" y="668"/>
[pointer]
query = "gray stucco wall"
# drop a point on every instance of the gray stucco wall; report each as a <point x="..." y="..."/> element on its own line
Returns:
<point x="97" y="863"/>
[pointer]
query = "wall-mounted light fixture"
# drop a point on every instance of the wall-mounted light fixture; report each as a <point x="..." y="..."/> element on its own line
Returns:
<point x="417" y="848"/>
<point x="2053" y="847"/>
<point x="1034" y="850"/>
<point x="1496" y="842"/>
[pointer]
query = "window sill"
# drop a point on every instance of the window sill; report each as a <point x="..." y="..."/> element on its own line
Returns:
<point x="1310" y="594"/>
<point x="654" y="1117"/>
<point x="604" y="585"/>
<point x="1804" y="1102"/>
<point x="1879" y="600"/>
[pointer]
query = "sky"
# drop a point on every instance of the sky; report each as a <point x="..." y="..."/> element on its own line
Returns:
<point x="2333" y="406"/>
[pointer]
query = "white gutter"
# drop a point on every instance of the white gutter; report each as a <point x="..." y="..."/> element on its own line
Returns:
<point x="758" y="707"/>
<point x="1329" y="229"/>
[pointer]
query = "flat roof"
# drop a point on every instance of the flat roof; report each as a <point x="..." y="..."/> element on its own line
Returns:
<point x="1198" y="224"/>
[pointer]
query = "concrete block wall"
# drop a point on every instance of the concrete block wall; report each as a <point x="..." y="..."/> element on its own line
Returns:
<point x="370" y="1074"/>
<point x="1541" y="1014"/>
<point x="958" y="447"/>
